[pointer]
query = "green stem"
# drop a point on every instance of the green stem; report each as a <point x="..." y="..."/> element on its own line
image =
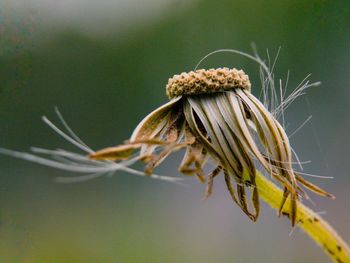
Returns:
<point x="315" y="226"/>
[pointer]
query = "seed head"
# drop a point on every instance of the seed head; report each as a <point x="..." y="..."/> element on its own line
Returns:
<point x="212" y="115"/>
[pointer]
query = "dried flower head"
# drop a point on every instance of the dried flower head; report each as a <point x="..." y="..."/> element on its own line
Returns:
<point x="212" y="114"/>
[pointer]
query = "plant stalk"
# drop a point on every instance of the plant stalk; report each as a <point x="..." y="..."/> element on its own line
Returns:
<point x="314" y="225"/>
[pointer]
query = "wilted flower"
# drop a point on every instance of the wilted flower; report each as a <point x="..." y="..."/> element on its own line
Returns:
<point x="212" y="114"/>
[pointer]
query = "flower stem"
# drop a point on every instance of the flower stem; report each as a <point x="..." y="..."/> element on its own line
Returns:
<point x="315" y="226"/>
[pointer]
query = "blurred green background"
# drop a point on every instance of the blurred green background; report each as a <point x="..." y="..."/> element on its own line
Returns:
<point x="105" y="65"/>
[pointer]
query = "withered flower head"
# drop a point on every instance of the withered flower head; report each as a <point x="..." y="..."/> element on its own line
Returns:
<point x="212" y="115"/>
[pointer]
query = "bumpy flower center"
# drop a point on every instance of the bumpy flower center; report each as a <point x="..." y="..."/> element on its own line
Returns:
<point x="204" y="81"/>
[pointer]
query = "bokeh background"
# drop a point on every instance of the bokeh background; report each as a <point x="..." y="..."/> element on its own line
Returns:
<point x="105" y="64"/>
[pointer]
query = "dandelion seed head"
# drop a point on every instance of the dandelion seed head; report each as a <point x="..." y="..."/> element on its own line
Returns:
<point x="216" y="120"/>
<point x="213" y="116"/>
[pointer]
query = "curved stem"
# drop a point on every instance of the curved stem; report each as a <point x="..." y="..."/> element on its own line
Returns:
<point x="314" y="225"/>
